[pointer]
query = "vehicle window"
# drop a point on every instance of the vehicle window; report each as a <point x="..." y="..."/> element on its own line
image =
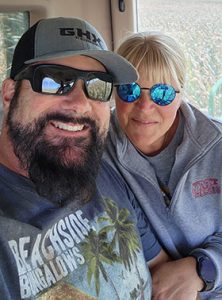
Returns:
<point x="12" y="26"/>
<point x="197" y="26"/>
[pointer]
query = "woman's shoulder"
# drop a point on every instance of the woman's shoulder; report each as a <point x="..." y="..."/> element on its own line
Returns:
<point x="194" y="116"/>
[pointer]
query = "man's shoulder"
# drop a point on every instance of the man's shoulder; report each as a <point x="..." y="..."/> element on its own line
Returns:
<point x="110" y="182"/>
<point x="108" y="175"/>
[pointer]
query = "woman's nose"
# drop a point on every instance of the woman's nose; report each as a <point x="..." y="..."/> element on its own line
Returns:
<point x="145" y="102"/>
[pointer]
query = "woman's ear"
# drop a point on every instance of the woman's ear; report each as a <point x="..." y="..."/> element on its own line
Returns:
<point x="8" y="90"/>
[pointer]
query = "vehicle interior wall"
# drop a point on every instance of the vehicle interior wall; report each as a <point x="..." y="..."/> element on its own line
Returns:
<point x="96" y="12"/>
<point x="105" y="15"/>
<point x="124" y="22"/>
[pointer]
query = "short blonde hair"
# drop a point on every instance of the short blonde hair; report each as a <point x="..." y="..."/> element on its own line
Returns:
<point x="156" y="55"/>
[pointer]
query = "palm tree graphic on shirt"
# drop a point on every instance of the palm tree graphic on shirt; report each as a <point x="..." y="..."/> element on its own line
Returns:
<point x="116" y="242"/>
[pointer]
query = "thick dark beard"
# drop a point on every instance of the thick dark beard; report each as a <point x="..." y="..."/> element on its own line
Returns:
<point x="54" y="175"/>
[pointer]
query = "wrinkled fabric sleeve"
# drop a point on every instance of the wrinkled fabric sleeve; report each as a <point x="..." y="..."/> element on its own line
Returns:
<point x="151" y="246"/>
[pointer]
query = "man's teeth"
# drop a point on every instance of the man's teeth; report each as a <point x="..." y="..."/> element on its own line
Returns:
<point x="69" y="127"/>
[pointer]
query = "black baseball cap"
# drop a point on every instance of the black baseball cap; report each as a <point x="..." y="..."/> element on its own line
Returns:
<point x="61" y="37"/>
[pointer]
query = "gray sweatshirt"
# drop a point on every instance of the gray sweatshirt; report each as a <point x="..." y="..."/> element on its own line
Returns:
<point x="192" y="220"/>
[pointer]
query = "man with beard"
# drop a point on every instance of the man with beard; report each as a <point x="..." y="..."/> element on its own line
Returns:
<point x="67" y="225"/>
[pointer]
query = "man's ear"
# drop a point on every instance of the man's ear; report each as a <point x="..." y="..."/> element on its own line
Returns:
<point x="8" y="90"/>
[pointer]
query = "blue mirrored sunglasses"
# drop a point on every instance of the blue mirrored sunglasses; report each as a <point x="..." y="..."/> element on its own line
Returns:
<point x="162" y="94"/>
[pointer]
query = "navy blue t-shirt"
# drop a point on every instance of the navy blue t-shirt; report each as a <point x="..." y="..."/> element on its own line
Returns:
<point x="88" y="252"/>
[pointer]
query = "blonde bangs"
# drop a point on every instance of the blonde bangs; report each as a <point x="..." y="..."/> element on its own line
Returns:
<point x="154" y="68"/>
<point x="156" y="56"/>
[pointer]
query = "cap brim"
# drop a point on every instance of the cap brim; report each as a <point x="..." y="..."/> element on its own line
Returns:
<point x="121" y="70"/>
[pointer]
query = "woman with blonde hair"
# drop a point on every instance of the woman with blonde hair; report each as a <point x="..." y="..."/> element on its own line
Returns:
<point x="169" y="153"/>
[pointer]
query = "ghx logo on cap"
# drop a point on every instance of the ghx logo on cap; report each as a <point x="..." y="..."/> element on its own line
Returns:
<point x="79" y="34"/>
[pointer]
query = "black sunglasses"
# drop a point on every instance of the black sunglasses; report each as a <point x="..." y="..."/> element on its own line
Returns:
<point x="162" y="94"/>
<point x="53" y="79"/>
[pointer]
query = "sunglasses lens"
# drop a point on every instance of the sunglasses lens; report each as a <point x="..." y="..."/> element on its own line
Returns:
<point x="51" y="86"/>
<point x="51" y="79"/>
<point x="129" y="92"/>
<point x="162" y="94"/>
<point x="98" y="89"/>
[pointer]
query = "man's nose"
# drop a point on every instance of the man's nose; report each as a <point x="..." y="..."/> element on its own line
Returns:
<point x="77" y="100"/>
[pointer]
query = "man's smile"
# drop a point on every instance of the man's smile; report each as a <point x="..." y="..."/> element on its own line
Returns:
<point x="60" y="128"/>
<point x="68" y="127"/>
